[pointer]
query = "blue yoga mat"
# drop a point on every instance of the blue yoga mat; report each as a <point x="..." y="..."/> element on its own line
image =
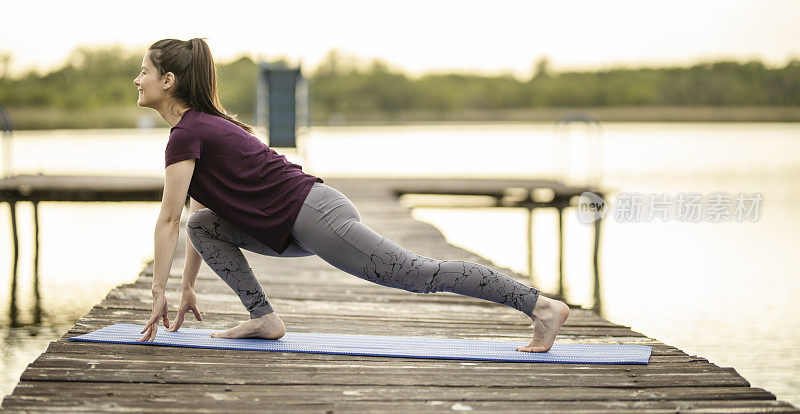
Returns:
<point x="391" y="346"/>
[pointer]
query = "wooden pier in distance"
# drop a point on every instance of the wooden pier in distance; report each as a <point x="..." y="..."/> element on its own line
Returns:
<point x="313" y="296"/>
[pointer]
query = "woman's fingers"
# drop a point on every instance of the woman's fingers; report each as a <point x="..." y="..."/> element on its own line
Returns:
<point x="150" y="322"/>
<point x="151" y="329"/>
<point x="182" y="317"/>
<point x="142" y="338"/>
<point x="159" y="312"/>
<point x="153" y="332"/>
<point x="165" y="313"/>
<point x="178" y="321"/>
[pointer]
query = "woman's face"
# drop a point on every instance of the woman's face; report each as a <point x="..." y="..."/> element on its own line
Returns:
<point x="151" y="90"/>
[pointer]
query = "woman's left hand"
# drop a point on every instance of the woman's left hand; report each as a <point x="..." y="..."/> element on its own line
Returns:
<point x="159" y="311"/>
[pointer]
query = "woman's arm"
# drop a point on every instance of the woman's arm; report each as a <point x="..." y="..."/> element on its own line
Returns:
<point x="192" y="263"/>
<point x="176" y="187"/>
<point x="165" y="242"/>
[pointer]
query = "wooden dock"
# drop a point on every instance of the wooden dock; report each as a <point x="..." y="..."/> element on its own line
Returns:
<point x="313" y="296"/>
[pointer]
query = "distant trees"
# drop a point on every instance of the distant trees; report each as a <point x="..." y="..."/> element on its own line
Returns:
<point x="102" y="77"/>
<point x="339" y="86"/>
<point x="723" y="83"/>
<point x="91" y="78"/>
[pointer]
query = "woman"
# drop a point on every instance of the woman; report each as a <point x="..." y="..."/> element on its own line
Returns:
<point x="259" y="201"/>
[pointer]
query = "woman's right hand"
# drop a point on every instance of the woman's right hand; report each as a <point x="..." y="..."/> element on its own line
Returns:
<point x="188" y="303"/>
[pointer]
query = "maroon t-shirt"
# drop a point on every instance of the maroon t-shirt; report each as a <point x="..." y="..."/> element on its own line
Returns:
<point x="239" y="177"/>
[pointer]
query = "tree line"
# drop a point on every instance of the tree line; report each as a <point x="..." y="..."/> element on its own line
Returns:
<point x="102" y="77"/>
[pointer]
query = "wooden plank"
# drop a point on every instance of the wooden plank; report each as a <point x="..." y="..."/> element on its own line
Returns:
<point x="223" y="404"/>
<point x="75" y="360"/>
<point x="333" y="392"/>
<point x="266" y="375"/>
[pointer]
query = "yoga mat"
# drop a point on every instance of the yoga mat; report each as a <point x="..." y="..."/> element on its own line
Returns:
<point x="390" y="346"/>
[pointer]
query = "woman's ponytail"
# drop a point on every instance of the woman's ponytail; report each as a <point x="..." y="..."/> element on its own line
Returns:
<point x="193" y="66"/>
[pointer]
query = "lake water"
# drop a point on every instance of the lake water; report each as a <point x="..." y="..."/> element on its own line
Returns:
<point x="726" y="291"/>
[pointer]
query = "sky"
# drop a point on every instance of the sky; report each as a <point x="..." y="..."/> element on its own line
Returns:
<point x="490" y="36"/>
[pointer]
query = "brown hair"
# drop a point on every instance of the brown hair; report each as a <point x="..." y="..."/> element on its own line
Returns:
<point x="195" y="75"/>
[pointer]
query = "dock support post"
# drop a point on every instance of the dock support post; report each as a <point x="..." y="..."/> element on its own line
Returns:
<point x="597" y="301"/>
<point x="560" y="250"/>
<point x="13" y="312"/>
<point x="530" y="245"/>
<point x="37" y="315"/>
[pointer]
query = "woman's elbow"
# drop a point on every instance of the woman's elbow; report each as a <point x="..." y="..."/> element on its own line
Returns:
<point x="169" y="223"/>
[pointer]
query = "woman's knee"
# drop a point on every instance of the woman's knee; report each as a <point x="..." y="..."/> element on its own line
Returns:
<point x="198" y="222"/>
<point x="340" y="206"/>
<point x="345" y="211"/>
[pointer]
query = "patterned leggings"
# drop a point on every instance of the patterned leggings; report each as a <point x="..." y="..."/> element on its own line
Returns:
<point x="329" y="226"/>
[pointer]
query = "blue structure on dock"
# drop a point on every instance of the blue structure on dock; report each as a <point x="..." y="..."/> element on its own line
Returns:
<point x="282" y="103"/>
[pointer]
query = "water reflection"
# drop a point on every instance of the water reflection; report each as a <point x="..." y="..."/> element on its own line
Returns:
<point x="13" y="310"/>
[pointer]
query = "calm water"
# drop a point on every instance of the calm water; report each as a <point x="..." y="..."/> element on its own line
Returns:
<point x="725" y="291"/>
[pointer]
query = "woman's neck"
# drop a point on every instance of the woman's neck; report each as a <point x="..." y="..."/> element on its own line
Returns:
<point x="172" y="114"/>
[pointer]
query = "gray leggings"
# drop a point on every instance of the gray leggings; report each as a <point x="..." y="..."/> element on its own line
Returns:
<point x="329" y="226"/>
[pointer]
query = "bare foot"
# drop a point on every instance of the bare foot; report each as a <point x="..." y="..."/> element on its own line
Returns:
<point x="548" y="316"/>
<point x="269" y="326"/>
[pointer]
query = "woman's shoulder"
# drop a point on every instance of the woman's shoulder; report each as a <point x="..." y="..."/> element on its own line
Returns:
<point x="204" y="125"/>
<point x="201" y="118"/>
<point x="195" y="120"/>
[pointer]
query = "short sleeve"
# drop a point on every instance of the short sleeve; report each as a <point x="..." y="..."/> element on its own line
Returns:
<point x="182" y="145"/>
